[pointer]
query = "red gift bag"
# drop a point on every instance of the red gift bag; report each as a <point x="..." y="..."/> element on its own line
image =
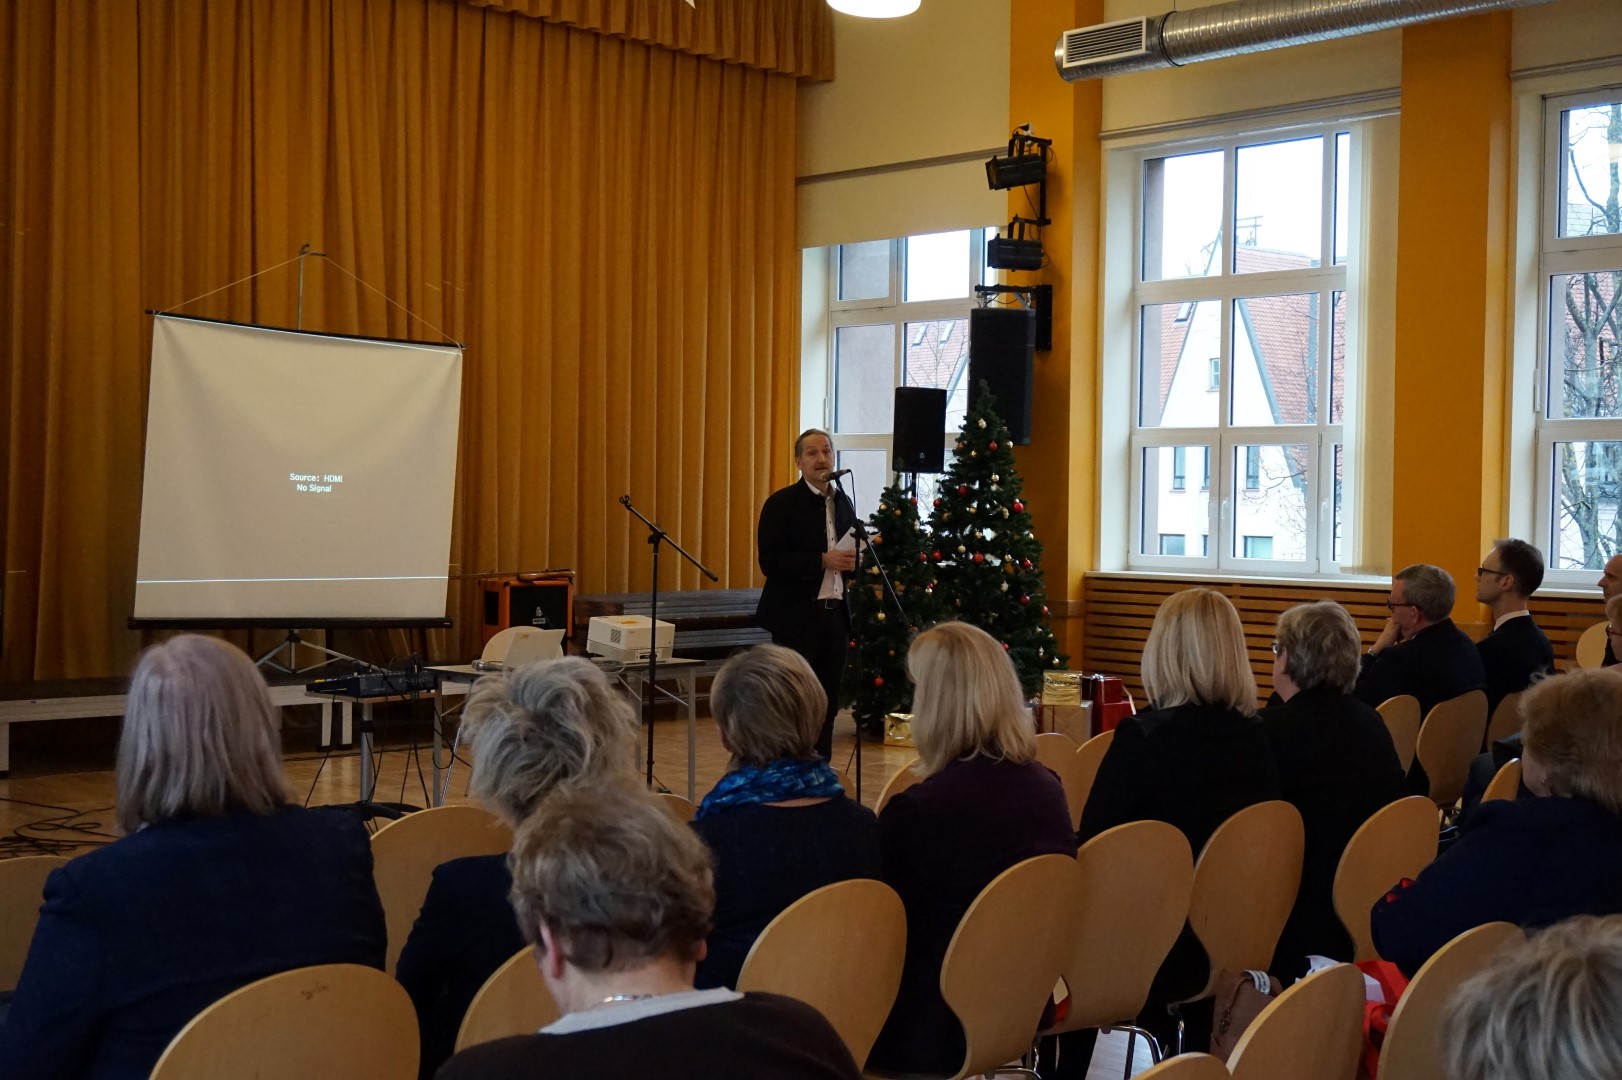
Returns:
<point x="1110" y="702"/>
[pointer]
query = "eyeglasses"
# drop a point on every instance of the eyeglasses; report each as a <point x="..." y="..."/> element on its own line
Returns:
<point x="1277" y="648"/>
<point x="1491" y="572"/>
<point x="1393" y="605"/>
<point x="1610" y="631"/>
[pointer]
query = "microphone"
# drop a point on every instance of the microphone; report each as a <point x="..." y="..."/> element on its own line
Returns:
<point x="836" y="474"/>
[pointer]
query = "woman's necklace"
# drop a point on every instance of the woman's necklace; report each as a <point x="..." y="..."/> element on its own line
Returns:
<point x="614" y="999"/>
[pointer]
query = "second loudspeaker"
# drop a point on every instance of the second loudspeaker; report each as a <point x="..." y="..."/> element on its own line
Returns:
<point x="920" y="429"/>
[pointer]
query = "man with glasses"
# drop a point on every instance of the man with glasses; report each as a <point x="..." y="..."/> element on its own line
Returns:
<point x="1516" y="651"/>
<point x="1420" y="651"/>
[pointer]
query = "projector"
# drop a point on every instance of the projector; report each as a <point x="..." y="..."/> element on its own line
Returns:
<point x="628" y="638"/>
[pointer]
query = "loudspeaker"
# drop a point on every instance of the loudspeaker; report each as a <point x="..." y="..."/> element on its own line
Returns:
<point x="544" y="603"/>
<point x="1002" y="352"/>
<point x="920" y="429"/>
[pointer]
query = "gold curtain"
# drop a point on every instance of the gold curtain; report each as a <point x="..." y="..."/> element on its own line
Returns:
<point x="608" y="225"/>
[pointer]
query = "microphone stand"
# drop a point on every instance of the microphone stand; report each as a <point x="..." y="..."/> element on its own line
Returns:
<point x="863" y="541"/>
<point x="657" y="536"/>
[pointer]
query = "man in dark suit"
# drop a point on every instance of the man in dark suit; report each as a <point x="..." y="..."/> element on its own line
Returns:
<point x="1420" y="651"/>
<point x="1610" y="584"/>
<point x="798" y="544"/>
<point x="1516" y="650"/>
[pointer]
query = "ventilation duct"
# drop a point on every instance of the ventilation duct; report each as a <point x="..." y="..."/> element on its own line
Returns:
<point x="1243" y="26"/>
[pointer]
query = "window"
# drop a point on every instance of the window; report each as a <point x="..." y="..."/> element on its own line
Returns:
<point x="1240" y="351"/>
<point x="1579" y="385"/>
<point x="898" y="315"/>
<point x="1171" y="543"/>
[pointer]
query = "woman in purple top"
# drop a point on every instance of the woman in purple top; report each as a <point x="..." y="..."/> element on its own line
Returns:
<point x="984" y="804"/>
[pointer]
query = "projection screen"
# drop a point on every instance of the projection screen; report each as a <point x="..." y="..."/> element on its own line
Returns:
<point x="296" y="476"/>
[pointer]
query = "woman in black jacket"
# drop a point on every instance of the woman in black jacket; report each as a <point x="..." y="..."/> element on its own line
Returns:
<point x="1536" y="861"/>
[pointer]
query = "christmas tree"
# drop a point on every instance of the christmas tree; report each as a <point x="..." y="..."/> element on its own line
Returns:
<point x="990" y="562"/>
<point x="876" y="678"/>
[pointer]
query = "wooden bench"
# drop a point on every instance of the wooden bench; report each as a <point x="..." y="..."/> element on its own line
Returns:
<point x="711" y="624"/>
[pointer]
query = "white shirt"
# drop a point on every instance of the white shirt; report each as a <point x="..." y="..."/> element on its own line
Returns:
<point x="833" y="582"/>
<point x="1508" y="615"/>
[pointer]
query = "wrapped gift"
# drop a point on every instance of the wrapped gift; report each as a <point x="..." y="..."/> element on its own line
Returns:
<point x="898" y="729"/>
<point x="1075" y="721"/>
<point x="1111" y="703"/>
<point x="1062" y="688"/>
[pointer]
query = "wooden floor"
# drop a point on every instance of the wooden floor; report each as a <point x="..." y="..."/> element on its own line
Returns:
<point x="68" y="810"/>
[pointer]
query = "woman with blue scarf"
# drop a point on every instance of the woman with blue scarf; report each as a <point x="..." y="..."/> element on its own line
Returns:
<point x="779" y="823"/>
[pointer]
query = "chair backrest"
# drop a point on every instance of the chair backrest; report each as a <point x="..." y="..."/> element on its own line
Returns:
<point x="1410" y="1048"/>
<point x="839" y="949"/>
<point x="1591" y="646"/>
<point x="22" y="890"/>
<point x="1506" y="719"/>
<point x="678" y="807"/>
<point x="331" y="1020"/>
<point x="1006" y="955"/>
<point x="1506" y="782"/>
<point x="1314" y="1029"/>
<point x="1088" y="758"/>
<point x="1058" y="752"/>
<point x="1188" y="1067"/>
<point x="1136" y="880"/>
<point x="1402" y="716"/>
<point x="1244" y="887"/>
<point x="1397" y="842"/>
<point x="902" y="779"/>
<point x="405" y="852"/>
<point x="513" y="1001"/>
<point x="1449" y="740"/>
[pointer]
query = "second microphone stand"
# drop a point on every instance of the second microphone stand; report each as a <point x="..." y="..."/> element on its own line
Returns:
<point x="906" y="620"/>
<point x="657" y="536"/>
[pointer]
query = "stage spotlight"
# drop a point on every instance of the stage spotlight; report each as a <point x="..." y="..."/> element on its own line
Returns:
<point x="1025" y="163"/>
<point x="1013" y="250"/>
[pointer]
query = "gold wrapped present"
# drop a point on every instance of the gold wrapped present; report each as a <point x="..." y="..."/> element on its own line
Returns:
<point x="1061" y="688"/>
<point x="898" y="729"/>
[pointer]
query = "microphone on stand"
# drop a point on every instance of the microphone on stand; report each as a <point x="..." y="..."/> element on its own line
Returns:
<point x="836" y="474"/>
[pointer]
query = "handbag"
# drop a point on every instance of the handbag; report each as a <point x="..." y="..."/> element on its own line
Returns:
<point x="1240" y="998"/>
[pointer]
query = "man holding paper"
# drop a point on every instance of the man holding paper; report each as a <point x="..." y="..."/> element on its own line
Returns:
<point x="806" y="544"/>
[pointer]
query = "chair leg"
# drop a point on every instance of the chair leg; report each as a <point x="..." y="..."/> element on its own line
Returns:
<point x="1131" y="1048"/>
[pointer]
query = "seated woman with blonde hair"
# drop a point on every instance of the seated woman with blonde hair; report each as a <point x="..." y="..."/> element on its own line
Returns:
<point x="1532" y="861"/>
<point x="534" y="731"/>
<point x="984" y="804"/>
<point x="778" y="823"/>
<point x="216" y="882"/>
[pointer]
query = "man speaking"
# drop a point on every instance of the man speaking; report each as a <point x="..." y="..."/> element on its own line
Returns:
<point x="807" y="550"/>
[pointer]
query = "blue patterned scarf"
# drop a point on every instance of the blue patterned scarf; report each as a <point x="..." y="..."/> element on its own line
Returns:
<point x="782" y="780"/>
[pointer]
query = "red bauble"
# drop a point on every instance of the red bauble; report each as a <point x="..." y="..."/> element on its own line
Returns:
<point x="1019" y="507"/>
<point x="979" y="558"/>
<point x="992" y="446"/>
<point x="1005" y="646"/>
<point x="878" y="680"/>
<point x="962" y="489"/>
<point x="853" y="643"/>
<point x="937" y="556"/>
<point x="1025" y="565"/>
<point x="1024" y="599"/>
<point x="922" y="557"/>
<point x="1044" y="611"/>
<point x="914" y="499"/>
<point x="937" y="502"/>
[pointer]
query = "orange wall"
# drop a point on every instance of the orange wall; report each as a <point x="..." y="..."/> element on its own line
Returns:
<point x="1059" y="466"/>
<point x="1452" y="223"/>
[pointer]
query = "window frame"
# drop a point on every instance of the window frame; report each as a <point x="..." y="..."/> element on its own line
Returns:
<point x="1223" y="437"/>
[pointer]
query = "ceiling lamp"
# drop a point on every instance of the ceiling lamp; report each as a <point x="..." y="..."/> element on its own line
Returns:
<point x="875" y="9"/>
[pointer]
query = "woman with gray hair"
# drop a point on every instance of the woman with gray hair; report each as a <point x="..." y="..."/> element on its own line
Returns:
<point x="1336" y="764"/>
<point x="217" y="881"/>
<point x="534" y="731"/>
<point x="615" y="898"/>
<point x="778" y="823"/>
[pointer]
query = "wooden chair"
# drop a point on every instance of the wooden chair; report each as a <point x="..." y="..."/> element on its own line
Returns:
<point x="22" y="890"/>
<point x="1402" y="717"/>
<point x="1506" y="719"/>
<point x="1591" y="646"/>
<point x="1136" y="882"/>
<point x="1314" y="1029"/>
<point x="1449" y="740"/>
<point x="512" y="1001"/>
<point x="1004" y="960"/>
<point x="1058" y="752"/>
<point x="1090" y="756"/>
<point x="902" y="779"/>
<point x="332" y="1020"/>
<point x="405" y="852"/>
<point x="678" y="807"/>
<point x="1244" y="887"/>
<point x="1188" y="1067"/>
<point x="839" y="949"/>
<point x="1397" y="842"/>
<point x="1506" y="782"/>
<point x="1409" y="1052"/>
